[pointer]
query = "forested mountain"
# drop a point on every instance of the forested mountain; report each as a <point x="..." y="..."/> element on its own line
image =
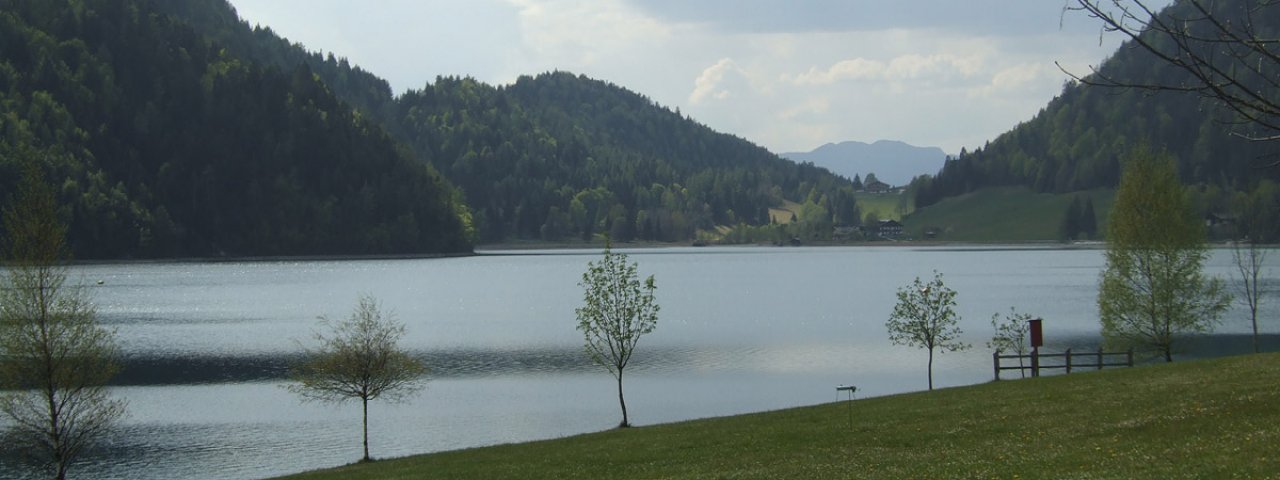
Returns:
<point x="559" y="156"/>
<point x="164" y="142"/>
<point x="562" y="156"/>
<point x="181" y="130"/>
<point x="1077" y="141"/>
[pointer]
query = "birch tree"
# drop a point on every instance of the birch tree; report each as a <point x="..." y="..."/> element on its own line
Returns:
<point x="1011" y="335"/>
<point x="1153" y="289"/>
<point x="359" y="358"/>
<point x="1249" y="258"/>
<point x="617" y="310"/>
<point x="925" y="317"/>
<point x="55" y="359"/>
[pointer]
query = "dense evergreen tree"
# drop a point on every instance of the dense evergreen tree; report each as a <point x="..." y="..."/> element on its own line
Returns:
<point x="1069" y="229"/>
<point x="1088" y="219"/>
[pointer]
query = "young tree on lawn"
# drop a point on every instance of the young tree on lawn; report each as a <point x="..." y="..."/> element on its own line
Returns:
<point x="617" y="310"/>
<point x="1011" y="335"/>
<point x="925" y="317"/>
<point x="55" y="359"/>
<point x="1153" y="288"/>
<point x="1249" y="258"/>
<point x="359" y="358"/>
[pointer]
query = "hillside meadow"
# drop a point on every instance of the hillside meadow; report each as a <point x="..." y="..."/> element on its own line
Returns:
<point x="1215" y="418"/>
<point x="1003" y="214"/>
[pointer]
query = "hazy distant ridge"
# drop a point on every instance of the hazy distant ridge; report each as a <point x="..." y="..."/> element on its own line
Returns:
<point x="893" y="162"/>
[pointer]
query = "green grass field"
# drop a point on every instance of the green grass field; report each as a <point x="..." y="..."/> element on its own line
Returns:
<point x="1009" y="214"/>
<point x="885" y="205"/>
<point x="1204" y="419"/>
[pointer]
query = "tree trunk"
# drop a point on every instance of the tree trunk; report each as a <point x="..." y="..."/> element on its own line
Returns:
<point x="1253" y="312"/>
<point x="622" y="401"/>
<point x="365" y="403"/>
<point x="931" y="369"/>
<point x="1168" y="354"/>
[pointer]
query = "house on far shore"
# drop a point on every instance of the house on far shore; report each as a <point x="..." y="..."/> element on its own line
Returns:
<point x="876" y="186"/>
<point x="889" y="229"/>
<point x="1220" y="226"/>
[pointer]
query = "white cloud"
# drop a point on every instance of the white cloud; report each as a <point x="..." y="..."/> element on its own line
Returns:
<point x="710" y="85"/>
<point x="576" y="33"/>
<point x="1017" y="78"/>
<point x="937" y="66"/>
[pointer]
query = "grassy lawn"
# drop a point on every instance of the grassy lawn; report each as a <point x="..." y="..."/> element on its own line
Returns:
<point x="1204" y="419"/>
<point x="1010" y="214"/>
<point x="885" y="205"/>
<point x="782" y="215"/>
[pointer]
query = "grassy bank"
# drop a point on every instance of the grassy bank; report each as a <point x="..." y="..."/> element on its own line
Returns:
<point x="1205" y="419"/>
<point x="1006" y="214"/>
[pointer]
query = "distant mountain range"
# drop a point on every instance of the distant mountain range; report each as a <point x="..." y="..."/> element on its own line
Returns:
<point x="895" y="163"/>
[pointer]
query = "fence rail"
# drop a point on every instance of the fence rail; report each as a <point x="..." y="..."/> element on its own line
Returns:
<point x="1094" y="359"/>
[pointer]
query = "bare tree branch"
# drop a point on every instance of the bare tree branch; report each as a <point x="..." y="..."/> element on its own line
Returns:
<point x="1217" y="46"/>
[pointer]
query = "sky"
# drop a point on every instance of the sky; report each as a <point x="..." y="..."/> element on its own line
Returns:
<point x="790" y="75"/>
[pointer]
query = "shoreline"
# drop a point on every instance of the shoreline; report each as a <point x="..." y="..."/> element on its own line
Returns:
<point x="504" y="247"/>
<point x="275" y="258"/>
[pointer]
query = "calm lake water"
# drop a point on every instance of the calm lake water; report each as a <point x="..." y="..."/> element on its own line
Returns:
<point x="741" y="330"/>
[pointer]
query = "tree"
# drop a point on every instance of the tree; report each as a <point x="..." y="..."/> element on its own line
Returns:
<point x="617" y="310"/>
<point x="1225" y="51"/>
<point x="360" y="358"/>
<point x="1011" y="335"/>
<point x="1153" y="288"/>
<point x="1069" y="228"/>
<point x="925" y="317"/>
<point x="58" y="359"/>
<point x="1249" y="258"/>
<point x="1088" y="219"/>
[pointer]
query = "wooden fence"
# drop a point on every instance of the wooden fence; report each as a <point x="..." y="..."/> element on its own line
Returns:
<point x="1093" y="360"/>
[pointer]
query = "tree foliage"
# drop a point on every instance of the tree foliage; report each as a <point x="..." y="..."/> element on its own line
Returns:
<point x="1011" y="334"/>
<point x="55" y="359"/>
<point x="925" y="317"/>
<point x="1153" y="288"/>
<point x="617" y="310"/>
<point x="359" y="358"/>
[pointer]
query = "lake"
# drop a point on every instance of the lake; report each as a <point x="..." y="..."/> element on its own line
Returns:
<point x="742" y="329"/>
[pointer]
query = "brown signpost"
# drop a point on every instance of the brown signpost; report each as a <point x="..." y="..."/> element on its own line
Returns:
<point x="1037" y="339"/>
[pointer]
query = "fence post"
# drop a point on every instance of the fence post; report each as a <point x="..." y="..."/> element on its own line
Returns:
<point x="995" y="360"/>
<point x="1130" y="356"/>
<point x="1099" y="357"/>
<point x="1035" y="362"/>
<point x="1068" y="360"/>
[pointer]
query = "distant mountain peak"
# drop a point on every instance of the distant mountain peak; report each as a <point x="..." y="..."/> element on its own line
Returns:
<point x="893" y="161"/>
